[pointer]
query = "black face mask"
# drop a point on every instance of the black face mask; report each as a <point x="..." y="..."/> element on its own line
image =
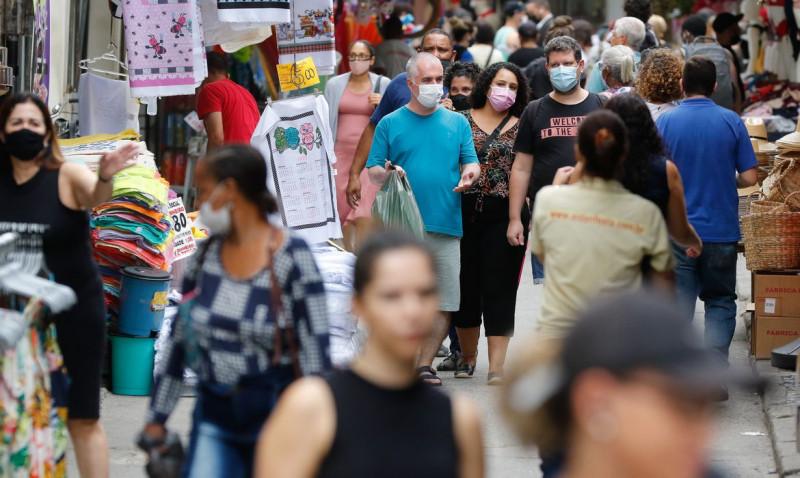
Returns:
<point x="461" y="102"/>
<point x="24" y="144"/>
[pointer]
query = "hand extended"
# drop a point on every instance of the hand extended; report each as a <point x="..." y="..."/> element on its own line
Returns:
<point x="469" y="175"/>
<point x="115" y="161"/>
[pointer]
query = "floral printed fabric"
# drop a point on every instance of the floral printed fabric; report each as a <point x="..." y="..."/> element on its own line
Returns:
<point x="496" y="163"/>
<point x="33" y="438"/>
<point x="164" y="41"/>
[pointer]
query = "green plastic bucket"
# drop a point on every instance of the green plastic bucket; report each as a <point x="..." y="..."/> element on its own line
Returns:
<point x="132" y="365"/>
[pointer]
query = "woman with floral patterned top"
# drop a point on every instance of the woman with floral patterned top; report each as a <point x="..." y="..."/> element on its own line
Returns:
<point x="490" y="267"/>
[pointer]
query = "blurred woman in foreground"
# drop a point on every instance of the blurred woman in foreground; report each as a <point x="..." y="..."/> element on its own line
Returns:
<point x="377" y="418"/>
<point x="630" y="394"/>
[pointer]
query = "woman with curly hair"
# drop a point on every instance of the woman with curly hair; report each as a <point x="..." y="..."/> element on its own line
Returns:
<point x="490" y="266"/>
<point x="659" y="81"/>
<point x="648" y="172"/>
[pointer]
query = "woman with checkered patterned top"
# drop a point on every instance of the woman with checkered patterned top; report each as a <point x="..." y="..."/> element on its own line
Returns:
<point x="254" y="318"/>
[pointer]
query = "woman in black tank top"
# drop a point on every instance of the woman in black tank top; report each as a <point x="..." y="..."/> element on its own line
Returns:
<point x="44" y="200"/>
<point x="377" y="418"/>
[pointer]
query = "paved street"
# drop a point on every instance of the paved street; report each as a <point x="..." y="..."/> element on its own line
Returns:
<point x="742" y="447"/>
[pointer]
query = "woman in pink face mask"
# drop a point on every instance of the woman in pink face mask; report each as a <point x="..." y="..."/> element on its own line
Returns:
<point x="352" y="97"/>
<point x="490" y="267"/>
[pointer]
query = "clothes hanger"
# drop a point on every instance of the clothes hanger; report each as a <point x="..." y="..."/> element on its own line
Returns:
<point x="12" y="279"/>
<point x="109" y="56"/>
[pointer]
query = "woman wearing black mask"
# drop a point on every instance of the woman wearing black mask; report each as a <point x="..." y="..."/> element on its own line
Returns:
<point x="44" y="200"/>
<point x="459" y="80"/>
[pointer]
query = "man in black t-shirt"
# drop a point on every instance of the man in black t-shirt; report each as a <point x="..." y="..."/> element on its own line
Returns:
<point x="548" y="128"/>
<point x="528" y="50"/>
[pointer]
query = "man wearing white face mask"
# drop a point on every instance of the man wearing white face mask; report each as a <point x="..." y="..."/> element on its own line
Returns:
<point x="547" y="132"/>
<point x="439" y="167"/>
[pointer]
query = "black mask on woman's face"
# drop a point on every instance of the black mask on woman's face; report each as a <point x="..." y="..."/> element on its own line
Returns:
<point x="461" y="102"/>
<point x="24" y="144"/>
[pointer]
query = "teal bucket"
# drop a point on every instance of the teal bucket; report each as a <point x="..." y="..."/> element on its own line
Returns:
<point x="143" y="299"/>
<point x="132" y="361"/>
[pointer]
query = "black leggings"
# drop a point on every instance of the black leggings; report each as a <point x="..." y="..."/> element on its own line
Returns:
<point x="490" y="269"/>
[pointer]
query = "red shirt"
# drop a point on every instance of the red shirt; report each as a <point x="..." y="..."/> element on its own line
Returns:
<point x="239" y="110"/>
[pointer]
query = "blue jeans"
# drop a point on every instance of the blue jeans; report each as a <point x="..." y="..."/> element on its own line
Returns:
<point x="215" y="451"/>
<point x="538" y="269"/>
<point x="455" y="346"/>
<point x="712" y="278"/>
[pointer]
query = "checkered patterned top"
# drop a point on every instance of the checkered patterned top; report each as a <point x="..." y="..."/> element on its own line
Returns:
<point x="232" y="332"/>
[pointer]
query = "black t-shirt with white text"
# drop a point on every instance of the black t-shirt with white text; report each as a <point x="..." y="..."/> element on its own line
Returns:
<point x="548" y="131"/>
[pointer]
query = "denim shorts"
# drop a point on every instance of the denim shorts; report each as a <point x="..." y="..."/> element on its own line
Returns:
<point x="447" y="254"/>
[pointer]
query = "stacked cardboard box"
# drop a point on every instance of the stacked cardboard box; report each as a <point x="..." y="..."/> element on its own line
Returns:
<point x="776" y="321"/>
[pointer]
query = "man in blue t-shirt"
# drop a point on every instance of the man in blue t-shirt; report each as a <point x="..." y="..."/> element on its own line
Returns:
<point x="436" y="42"/>
<point x="710" y="145"/>
<point x="438" y="168"/>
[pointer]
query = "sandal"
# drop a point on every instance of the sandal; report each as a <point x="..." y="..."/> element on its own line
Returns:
<point x="428" y="376"/>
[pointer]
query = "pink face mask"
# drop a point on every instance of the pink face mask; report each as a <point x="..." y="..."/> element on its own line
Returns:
<point x="502" y="98"/>
<point x="359" y="67"/>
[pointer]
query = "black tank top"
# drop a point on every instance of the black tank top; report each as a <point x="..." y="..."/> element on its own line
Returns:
<point x="53" y="238"/>
<point x="389" y="433"/>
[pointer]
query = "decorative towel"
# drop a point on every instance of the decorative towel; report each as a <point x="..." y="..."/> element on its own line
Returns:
<point x="263" y="11"/>
<point x="309" y="34"/>
<point x="294" y="136"/>
<point x="164" y="41"/>
<point x="230" y="36"/>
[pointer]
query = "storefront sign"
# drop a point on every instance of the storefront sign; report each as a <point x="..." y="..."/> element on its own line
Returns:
<point x="183" y="244"/>
<point x="299" y="75"/>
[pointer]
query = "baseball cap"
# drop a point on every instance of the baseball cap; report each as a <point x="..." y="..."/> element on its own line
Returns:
<point x="725" y="20"/>
<point x="696" y="25"/>
<point x="627" y="333"/>
<point x="510" y="8"/>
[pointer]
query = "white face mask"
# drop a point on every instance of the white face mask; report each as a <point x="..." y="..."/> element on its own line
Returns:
<point x="429" y="95"/>
<point x="218" y="221"/>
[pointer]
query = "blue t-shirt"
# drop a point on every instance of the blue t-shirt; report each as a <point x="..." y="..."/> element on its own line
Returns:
<point x="433" y="164"/>
<point x="709" y="145"/>
<point x="396" y="95"/>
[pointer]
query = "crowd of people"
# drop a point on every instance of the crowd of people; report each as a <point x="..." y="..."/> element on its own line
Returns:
<point x="612" y="155"/>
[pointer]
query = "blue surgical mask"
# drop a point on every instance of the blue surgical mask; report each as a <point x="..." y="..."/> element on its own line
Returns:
<point x="564" y="78"/>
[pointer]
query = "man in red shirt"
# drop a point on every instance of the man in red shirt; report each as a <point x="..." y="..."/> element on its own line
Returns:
<point x="228" y="110"/>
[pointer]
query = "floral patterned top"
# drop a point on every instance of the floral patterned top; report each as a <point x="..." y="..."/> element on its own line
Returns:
<point x="496" y="163"/>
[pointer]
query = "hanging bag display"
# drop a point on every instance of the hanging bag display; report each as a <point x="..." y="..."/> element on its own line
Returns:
<point x="396" y="207"/>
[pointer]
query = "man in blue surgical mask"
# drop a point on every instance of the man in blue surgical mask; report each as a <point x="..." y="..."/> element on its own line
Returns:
<point x="547" y="132"/>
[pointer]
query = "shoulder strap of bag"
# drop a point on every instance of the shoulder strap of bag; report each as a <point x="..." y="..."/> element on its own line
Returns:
<point x="377" y="88"/>
<point x="494" y="135"/>
<point x="489" y="58"/>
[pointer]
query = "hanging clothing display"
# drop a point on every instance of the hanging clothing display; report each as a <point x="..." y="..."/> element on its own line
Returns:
<point x="272" y="11"/>
<point x="105" y="106"/>
<point x="164" y="42"/>
<point x="294" y="136"/>
<point x="33" y="428"/>
<point x="310" y="33"/>
<point x="230" y="36"/>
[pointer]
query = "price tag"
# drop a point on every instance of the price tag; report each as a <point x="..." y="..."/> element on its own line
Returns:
<point x="295" y="76"/>
<point x="183" y="244"/>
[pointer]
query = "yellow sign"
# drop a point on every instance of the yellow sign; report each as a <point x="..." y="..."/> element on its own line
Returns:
<point x="295" y="76"/>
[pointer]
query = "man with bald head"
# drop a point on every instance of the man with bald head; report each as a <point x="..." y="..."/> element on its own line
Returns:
<point x="433" y="147"/>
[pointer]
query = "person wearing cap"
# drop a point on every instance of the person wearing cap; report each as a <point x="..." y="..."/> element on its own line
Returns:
<point x="506" y="40"/>
<point x="697" y="43"/>
<point x="712" y="150"/>
<point x="629" y="393"/>
<point x="729" y="34"/>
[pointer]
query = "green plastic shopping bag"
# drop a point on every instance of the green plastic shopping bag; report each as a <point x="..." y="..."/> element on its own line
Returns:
<point x="396" y="207"/>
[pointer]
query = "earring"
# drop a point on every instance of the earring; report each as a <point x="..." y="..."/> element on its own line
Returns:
<point x="602" y="427"/>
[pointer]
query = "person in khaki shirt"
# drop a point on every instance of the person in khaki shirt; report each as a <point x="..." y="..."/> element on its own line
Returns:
<point x="594" y="236"/>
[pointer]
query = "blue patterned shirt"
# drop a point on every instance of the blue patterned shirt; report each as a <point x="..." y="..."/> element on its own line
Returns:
<point x="232" y="332"/>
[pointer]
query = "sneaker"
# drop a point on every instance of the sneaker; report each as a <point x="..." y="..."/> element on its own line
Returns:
<point x="464" y="370"/>
<point x="443" y="351"/>
<point x="449" y="364"/>
<point x="495" y="378"/>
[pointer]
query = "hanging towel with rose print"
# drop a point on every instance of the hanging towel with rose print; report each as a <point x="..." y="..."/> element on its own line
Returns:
<point x="259" y="11"/>
<point x="164" y="41"/>
<point x="310" y="33"/>
<point x="295" y="139"/>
